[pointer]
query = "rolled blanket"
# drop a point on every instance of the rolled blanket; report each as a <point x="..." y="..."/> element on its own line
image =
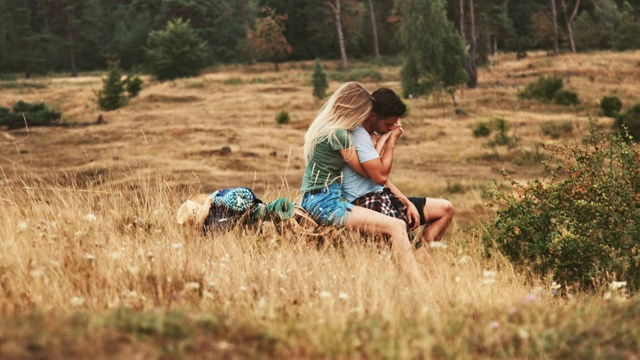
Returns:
<point x="237" y="199"/>
<point x="279" y="209"/>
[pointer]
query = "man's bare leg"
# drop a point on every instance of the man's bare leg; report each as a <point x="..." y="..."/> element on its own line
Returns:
<point x="438" y="213"/>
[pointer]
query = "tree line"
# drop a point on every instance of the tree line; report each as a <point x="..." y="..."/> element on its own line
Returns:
<point x="43" y="36"/>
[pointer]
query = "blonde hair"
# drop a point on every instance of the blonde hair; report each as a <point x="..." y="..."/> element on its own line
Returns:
<point x="347" y="108"/>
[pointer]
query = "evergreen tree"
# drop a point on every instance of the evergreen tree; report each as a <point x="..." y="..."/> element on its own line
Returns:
<point x="175" y="52"/>
<point x="434" y="54"/>
<point x="319" y="79"/>
<point x="112" y="96"/>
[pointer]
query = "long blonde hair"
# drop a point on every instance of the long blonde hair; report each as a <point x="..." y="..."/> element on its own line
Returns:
<point x="347" y="108"/>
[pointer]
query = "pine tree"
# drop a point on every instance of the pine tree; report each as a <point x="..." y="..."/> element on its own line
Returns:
<point x="320" y="84"/>
<point x="112" y="96"/>
<point x="175" y="52"/>
<point x="434" y="53"/>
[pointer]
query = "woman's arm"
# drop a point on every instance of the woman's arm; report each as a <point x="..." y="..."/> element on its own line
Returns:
<point x="350" y="156"/>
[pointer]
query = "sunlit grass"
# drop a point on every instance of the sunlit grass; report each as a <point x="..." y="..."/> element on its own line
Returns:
<point x="92" y="260"/>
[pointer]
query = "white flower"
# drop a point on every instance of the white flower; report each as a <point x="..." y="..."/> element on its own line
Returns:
<point x="617" y="285"/>
<point x="176" y="245"/>
<point x="523" y="333"/>
<point x="488" y="281"/>
<point x="437" y="245"/>
<point x="343" y="296"/>
<point x="91" y="217"/>
<point x="23" y="225"/>
<point x="192" y="286"/>
<point x="76" y="301"/>
<point x="494" y="325"/>
<point x="325" y="294"/>
<point x="457" y="279"/>
<point x="489" y="274"/>
<point x="89" y="257"/>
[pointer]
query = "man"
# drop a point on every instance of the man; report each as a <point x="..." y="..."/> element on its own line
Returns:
<point x="378" y="134"/>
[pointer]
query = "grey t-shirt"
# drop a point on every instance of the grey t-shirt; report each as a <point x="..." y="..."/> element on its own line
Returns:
<point x="355" y="185"/>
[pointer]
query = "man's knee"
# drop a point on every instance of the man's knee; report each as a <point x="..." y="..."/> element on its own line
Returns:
<point x="449" y="209"/>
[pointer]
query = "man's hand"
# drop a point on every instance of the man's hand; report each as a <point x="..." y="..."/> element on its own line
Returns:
<point x="413" y="215"/>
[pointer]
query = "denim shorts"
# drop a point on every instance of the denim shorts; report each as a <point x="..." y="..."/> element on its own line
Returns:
<point x="328" y="206"/>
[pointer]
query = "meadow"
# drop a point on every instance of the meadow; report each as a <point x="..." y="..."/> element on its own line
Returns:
<point x="94" y="265"/>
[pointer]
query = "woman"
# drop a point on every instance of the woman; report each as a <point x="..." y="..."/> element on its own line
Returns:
<point x="328" y="145"/>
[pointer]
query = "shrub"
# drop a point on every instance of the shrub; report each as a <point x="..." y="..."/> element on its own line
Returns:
<point x="566" y="98"/>
<point x="481" y="130"/>
<point x="630" y="119"/>
<point x="175" y="52"/>
<point x="581" y="225"/>
<point x="544" y="89"/>
<point x="610" y="106"/>
<point x="319" y="80"/>
<point x="133" y="84"/>
<point x="112" y="96"/>
<point x="37" y="114"/>
<point x="282" y="117"/>
<point x="556" y="129"/>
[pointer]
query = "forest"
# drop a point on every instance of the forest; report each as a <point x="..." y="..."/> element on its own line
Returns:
<point x="68" y="36"/>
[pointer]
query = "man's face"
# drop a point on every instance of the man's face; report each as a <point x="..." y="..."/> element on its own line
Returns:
<point x="383" y="126"/>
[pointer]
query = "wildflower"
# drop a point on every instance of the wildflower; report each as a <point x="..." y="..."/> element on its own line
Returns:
<point x="494" y="325"/>
<point x="242" y="288"/>
<point x="488" y="281"/>
<point x="489" y="274"/>
<point x="617" y="285"/>
<point x="437" y="245"/>
<point x="523" y="333"/>
<point x="457" y="279"/>
<point x="89" y="257"/>
<point x="192" y="286"/>
<point x="76" y="301"/>
<point x="531" y="297"/>
<point x="343" y="296"/>
<point x="22" y="225"/>
<point x="91" y="217"/>
<point x="325" y="294"/>
<point x="176" y="245"/>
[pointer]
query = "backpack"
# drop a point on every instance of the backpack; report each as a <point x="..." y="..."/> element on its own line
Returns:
<point x="230" y="207"/>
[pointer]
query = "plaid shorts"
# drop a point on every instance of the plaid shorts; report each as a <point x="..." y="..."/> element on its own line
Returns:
<point x="385" y="203"/>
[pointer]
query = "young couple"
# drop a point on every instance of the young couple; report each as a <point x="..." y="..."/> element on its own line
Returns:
<point x="346" y="178"/>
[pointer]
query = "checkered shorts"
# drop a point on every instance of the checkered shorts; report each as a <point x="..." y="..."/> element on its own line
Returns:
<point x="385" y="203"/>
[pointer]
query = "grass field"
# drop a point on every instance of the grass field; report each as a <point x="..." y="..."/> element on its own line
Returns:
<point x="94" y="265"/>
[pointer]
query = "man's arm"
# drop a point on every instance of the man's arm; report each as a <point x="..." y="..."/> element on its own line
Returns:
<point x="379" y="169"/>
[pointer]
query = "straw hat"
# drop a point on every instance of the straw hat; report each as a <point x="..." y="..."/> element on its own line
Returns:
<point x="194" y="211"/>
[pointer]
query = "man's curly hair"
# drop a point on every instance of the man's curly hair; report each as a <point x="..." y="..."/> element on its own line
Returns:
<point x="387" y="103"/>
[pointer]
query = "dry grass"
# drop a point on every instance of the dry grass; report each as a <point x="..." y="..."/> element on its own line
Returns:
<point x="93" y="262"/>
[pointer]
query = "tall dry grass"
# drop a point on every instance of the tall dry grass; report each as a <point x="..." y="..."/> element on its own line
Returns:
<point x="94" y="265"/>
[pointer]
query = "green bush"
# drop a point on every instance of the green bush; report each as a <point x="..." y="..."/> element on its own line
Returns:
<point x="282" y="117"/>
<point x="582" y="224"/>
<point x="319" y="80"/>
<point x="544" y="89"/>
<point x="630" y="119"/>
<point x="112" y="96"/>
<point x="481" y="130"/>
<point x="175" y="52"/>
<point x="566" y="98"/>
<point x="133" y="84"/>
<point x="610" y="106"/>
<point x="556" y="129"/>
<point x="37" y="114"/>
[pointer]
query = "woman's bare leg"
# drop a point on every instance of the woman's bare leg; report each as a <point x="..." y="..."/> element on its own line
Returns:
<point x="375" y="223"/>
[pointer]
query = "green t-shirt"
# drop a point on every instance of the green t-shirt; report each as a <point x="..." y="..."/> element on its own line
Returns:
<point x="326" y="164"/>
